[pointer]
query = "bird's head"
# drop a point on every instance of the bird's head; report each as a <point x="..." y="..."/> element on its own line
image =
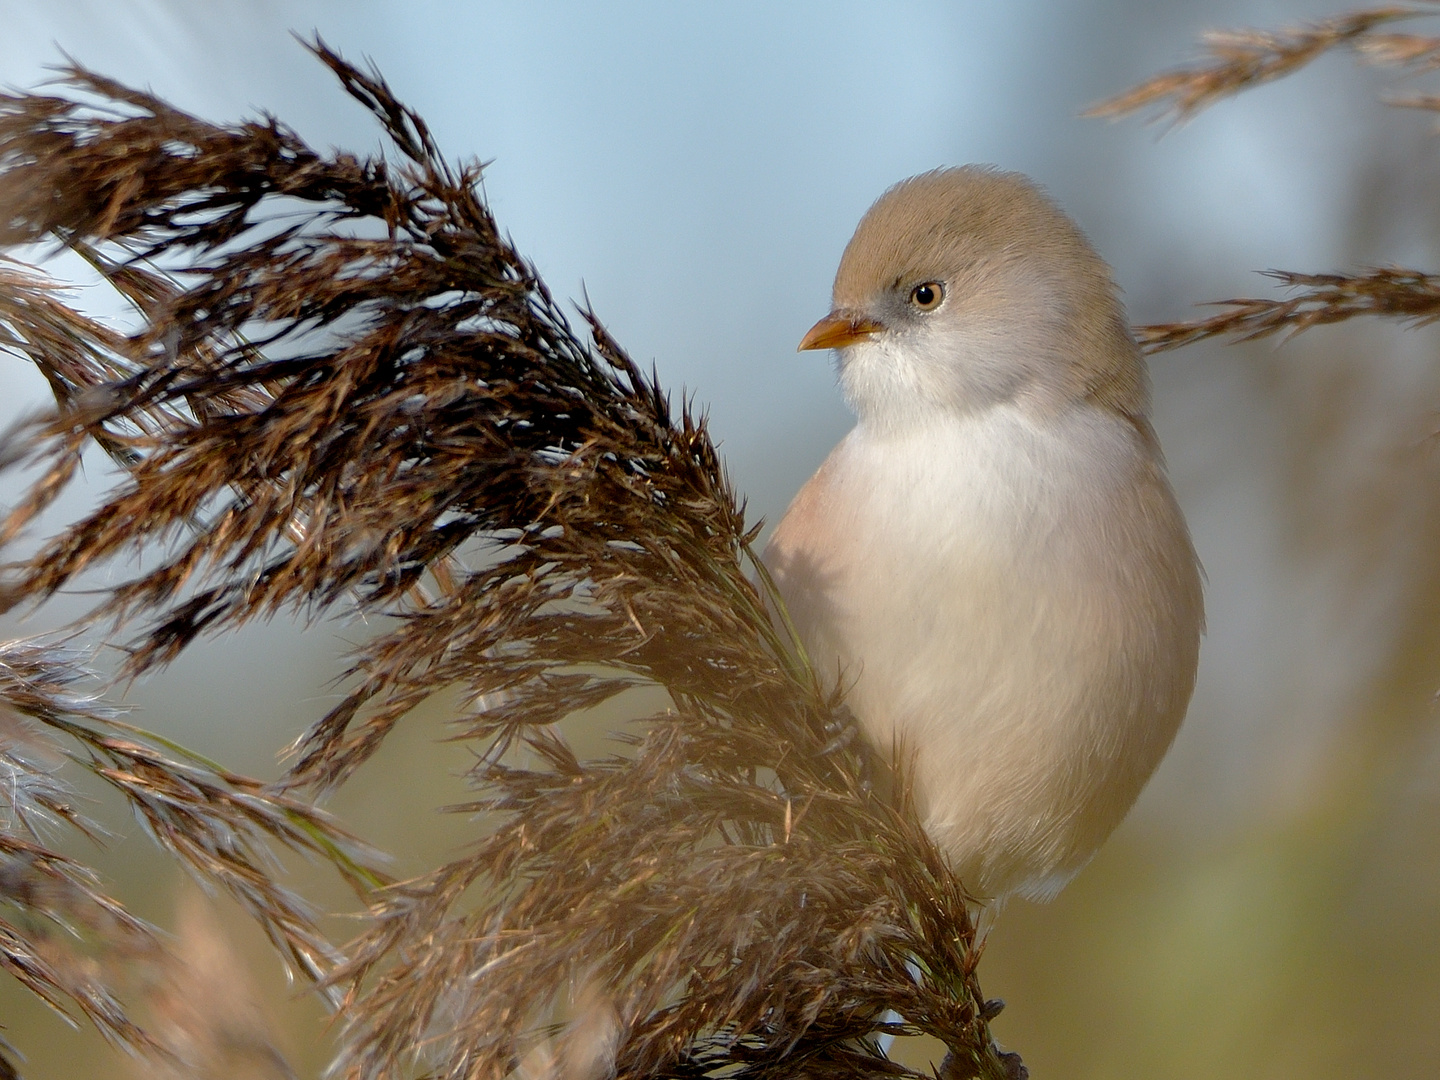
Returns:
<point x="966" y="287"/>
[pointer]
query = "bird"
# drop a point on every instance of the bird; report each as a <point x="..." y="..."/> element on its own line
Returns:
<point x="992" y="565"/>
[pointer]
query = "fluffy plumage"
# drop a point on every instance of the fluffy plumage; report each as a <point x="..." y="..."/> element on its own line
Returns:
<point x="992" y="561"/>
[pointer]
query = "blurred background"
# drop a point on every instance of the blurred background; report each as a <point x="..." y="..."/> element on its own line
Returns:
<point x="1272" y="906"/>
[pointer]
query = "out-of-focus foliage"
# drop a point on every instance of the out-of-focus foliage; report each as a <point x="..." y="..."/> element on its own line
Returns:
<point x="1246" y="58"/>
<point x="60" y="935"/>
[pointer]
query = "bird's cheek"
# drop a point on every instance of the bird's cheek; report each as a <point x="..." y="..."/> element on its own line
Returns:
<point x="979" y="363"/>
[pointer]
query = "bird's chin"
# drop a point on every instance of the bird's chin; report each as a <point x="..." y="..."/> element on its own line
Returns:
<point x="900" y="379"/>
<point x="889" y="382"/>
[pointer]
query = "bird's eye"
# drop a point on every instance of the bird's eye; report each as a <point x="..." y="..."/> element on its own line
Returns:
<point x="927" y="297"/>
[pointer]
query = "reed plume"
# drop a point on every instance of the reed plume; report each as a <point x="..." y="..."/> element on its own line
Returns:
<point x="1240" y="59"/>
<point x="67" y="941"/>
<point x="349" y="393"/>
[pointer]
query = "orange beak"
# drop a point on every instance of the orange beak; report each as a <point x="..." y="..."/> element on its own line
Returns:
<point x="837" y="330"/>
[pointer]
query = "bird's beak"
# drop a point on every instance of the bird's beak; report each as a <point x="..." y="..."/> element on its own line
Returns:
<point x="839" y="329"/>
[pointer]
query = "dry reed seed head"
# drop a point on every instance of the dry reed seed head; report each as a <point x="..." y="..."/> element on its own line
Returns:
<point x="1238" y="59"/>
<point x="208" y="1014"/>
<point x="64" y="939"/>
<point x="61" y="936"/>
<point x="1409" y="295"/>
<point x="316" y="417"/>
<point x="1246" y="58"/>
<point x="1418" y="52"/>
<point x="1423" y="102"/>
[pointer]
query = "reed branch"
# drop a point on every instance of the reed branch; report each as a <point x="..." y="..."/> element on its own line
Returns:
<point x="1242" y="59"/>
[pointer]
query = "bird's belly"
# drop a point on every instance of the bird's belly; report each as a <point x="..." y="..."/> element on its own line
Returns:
<point x="1012" y="712"/>
<point x="1013" y="665"/>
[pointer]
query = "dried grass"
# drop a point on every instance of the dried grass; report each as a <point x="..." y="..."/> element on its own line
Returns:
<point x="64" y="939"/>
<point x="208" y="1014"/>
<point x="1409" y="295"/>
<point x="350" y="393"/>
<point x="1241" y="59"/>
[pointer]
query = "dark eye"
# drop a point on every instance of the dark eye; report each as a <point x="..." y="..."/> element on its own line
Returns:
<point x="927" y="297"/>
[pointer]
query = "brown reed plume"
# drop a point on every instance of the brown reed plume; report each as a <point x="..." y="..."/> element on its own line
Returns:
<point x="349" y="392"/>
<point x="1240" y="59"/>
<point x="1317" y="299"/>
<point x="1245" y="58"/>
<point x="60" y="935"/>
<point x="205" y="1009"/>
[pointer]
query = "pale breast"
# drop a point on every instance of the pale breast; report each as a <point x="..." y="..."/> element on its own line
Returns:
<point x="1016" y="606"/>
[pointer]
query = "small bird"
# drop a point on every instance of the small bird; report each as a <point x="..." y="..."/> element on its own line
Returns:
<point x="992" y="564"/>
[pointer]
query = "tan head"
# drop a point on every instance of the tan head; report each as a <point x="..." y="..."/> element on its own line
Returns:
<point x="968" y="286"/>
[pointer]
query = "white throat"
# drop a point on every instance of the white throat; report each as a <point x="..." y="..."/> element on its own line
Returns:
<point x="956" y="363"/>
